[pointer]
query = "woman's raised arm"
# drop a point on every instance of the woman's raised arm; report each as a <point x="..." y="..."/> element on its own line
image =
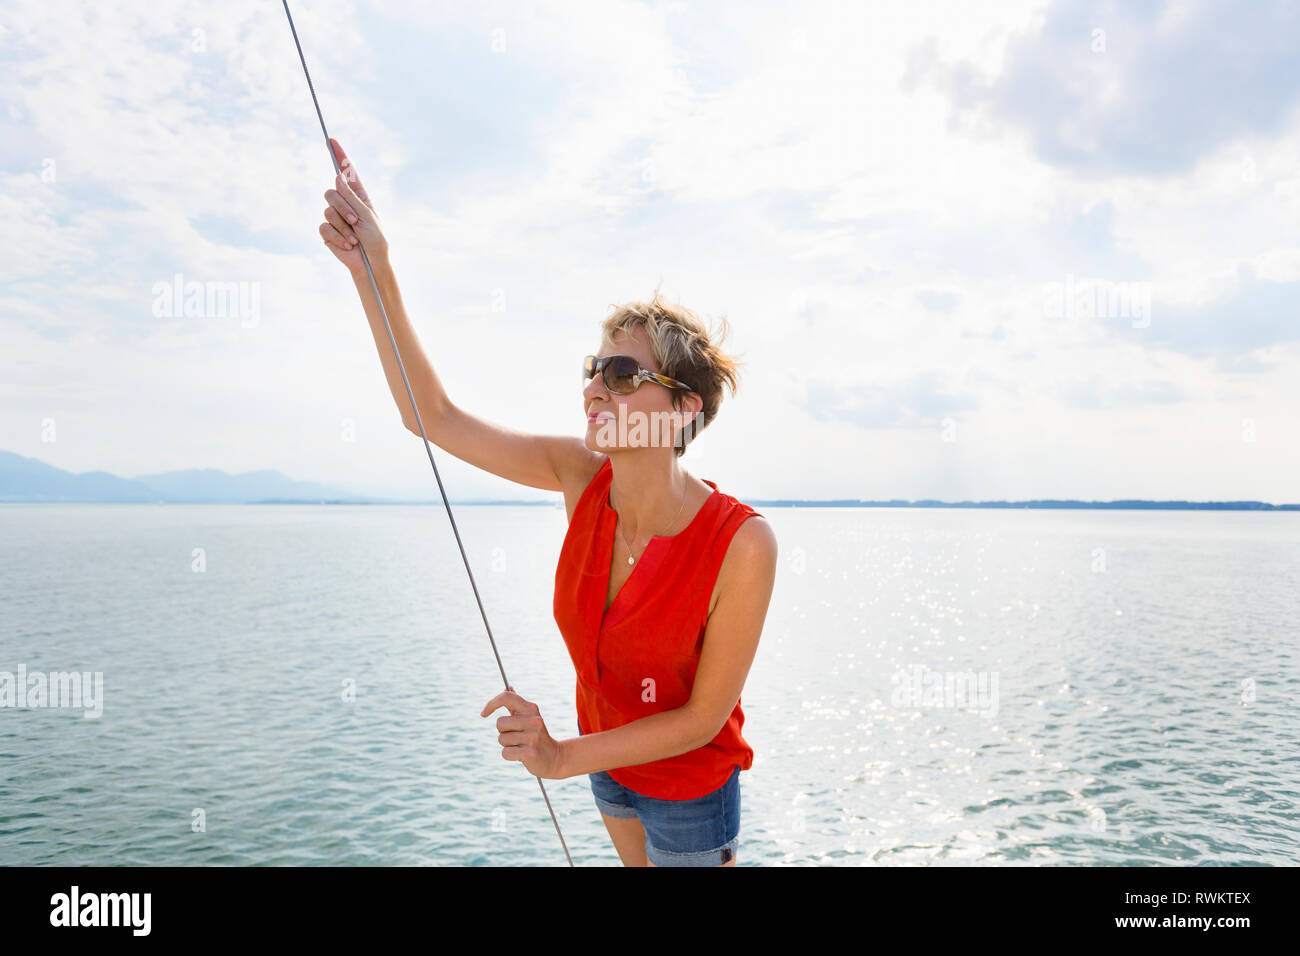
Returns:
<point x="539" y="461"/>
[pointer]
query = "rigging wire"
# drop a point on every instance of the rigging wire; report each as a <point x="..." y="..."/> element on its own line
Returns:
<point x="409" y="394"/>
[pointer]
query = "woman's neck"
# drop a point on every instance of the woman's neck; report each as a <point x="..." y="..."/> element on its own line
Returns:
<point x="652" y="497"/>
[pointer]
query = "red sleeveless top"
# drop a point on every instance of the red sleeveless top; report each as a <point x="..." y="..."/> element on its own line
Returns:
<point x="653" y="631"/>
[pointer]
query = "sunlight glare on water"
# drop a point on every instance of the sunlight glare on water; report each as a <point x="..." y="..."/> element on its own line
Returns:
<point x="312" y="695"/>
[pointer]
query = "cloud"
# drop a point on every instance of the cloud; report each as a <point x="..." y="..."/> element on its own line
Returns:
<point x="1094" y="393"/>
<point x="919" y="401"/>
<point x="1253" y="314"/>
<point x="1124" y="87"/>
<point x="936" y="300"/>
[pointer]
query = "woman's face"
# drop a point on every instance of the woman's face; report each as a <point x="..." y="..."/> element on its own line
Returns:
<point x="642" y="419"/>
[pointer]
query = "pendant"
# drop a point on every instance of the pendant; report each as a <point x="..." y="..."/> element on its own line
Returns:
<point x="631" y="560"/>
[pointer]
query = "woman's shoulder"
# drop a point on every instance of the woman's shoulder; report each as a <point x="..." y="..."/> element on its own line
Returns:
<point x="579" y="479"/>
<point x="754" y="540"/>
<point x="749" y="564"/>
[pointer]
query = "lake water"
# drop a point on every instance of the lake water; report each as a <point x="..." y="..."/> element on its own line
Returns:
<point x="1137" y="678"/>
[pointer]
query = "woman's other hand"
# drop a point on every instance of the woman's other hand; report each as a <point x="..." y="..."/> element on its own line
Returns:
<point x="523" y="735"/>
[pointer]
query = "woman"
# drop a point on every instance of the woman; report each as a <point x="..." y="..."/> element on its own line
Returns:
<point x="663" y="581"/>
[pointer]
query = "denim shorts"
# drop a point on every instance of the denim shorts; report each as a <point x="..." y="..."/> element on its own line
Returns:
<point x="700" y="832"/>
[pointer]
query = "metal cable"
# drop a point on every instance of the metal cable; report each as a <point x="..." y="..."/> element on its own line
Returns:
<point x="409" y="394"/>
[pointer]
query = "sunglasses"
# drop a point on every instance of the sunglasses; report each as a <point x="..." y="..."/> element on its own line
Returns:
<point x="623" y="374"/>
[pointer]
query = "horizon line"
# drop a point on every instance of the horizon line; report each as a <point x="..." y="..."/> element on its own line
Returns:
<point x="1042" y="504"/>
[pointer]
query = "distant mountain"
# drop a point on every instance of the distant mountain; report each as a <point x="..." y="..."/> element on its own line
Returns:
<point x="27" y="479"/>
<point x="212" y="484"/>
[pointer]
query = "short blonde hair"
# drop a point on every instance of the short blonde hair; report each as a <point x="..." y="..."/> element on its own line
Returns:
<point x="683" y="349"/>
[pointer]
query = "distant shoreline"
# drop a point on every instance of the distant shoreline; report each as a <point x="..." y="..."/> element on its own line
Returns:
<point x="31" y="481"/>
<point x="1046" y="504"/>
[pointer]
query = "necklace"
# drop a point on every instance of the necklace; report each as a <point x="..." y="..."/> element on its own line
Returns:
<point x="632" y="560"/>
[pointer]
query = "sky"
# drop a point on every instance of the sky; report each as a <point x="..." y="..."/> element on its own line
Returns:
<point x="966" y="251"/>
